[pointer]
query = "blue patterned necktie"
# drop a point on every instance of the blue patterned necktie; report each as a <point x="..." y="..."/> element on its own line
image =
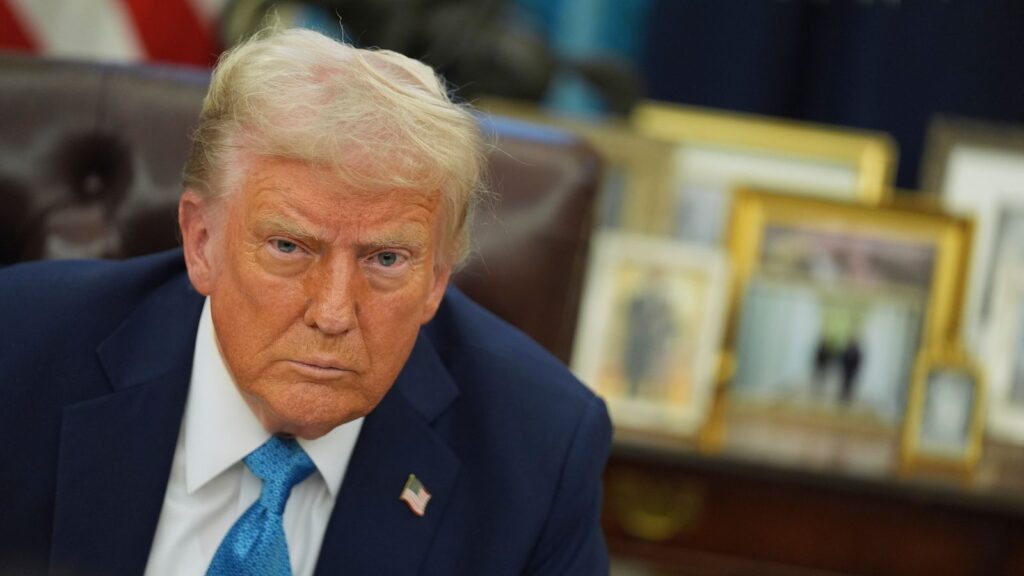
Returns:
<point x="255" y="545"/>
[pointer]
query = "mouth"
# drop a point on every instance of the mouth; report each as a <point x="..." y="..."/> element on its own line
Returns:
<point x="319" y="368"/>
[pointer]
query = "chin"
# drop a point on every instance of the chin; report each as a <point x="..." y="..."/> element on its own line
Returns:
<point x="306" y="431"/>
<point x="309" y="411"/>
<point x="301" y="425"/>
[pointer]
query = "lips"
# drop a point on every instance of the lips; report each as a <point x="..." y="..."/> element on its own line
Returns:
<point x="319" y="368"/>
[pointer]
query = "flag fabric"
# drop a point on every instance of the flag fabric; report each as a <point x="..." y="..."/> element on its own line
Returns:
<point x="415" y="495"/>
<point x="175" y="31"/>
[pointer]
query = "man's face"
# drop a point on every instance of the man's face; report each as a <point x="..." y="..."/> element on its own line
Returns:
<point x="317" y="291"/>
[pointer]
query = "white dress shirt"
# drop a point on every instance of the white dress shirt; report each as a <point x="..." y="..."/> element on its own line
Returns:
<point x="210" y="487"/>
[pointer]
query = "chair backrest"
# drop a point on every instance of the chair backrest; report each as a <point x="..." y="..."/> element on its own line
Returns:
<point x="90" y="167"/>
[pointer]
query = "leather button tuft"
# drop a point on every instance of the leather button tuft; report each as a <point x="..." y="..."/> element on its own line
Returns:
<point x="92" y="185"/>
<point x="96" y="167"/>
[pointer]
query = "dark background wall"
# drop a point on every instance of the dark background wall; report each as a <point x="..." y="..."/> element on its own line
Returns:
<point x="884" y="65"/>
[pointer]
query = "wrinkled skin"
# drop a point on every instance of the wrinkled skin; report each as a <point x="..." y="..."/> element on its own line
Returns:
<point x="317" y="292"/>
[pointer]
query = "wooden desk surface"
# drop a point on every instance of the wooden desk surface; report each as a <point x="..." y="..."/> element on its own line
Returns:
<point x="779" y="493"/>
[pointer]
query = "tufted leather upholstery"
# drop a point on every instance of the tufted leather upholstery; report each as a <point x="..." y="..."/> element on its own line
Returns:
<point x="90" y="166"/>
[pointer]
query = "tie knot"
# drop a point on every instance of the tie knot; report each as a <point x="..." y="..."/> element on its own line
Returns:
<point x="281" y="464"/>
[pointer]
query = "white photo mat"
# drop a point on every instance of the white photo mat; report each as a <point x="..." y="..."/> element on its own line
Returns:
<point x="946" y="413"/>
<point x="982" y="181"/>
<point x="1005" y="358"/>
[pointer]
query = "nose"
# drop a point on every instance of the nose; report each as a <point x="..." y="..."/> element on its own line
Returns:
<point x="333" y="298"/>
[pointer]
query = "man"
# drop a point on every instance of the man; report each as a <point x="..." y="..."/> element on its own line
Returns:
<point x="297" y="390"/>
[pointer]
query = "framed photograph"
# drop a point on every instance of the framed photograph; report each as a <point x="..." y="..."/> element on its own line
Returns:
<point x="1004" y="357"/>
<point x="650" y="330"/>
<point x="978" y="169"/>
<point x="716" y="152"/>
<point x="637" y="171"/>
<point x="833" y="300"/>
<point x="944" y="423"/>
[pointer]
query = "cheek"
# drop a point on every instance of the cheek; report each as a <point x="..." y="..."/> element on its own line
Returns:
<point x="391" y="328"/>
<point x="260" y="290"/>
<point x="252" y="311"/>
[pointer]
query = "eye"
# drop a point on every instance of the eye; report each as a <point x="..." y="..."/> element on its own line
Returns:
<point x="284" y="246"/>
<point x="387" y="259"/>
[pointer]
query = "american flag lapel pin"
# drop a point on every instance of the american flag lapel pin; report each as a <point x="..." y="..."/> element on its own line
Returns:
<point x="415" y="495"/>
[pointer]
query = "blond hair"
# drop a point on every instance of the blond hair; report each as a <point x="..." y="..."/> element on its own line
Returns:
<point x="383" y="121"/>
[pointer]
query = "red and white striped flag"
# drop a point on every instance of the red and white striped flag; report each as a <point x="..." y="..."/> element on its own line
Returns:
<point x="415" y="495"/>
<point x="179" y="31"/>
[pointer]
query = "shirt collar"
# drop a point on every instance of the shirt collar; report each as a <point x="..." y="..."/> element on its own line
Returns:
<point x="221" y="430"/>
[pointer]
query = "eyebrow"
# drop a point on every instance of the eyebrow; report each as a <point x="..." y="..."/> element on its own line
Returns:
<point x="413" y="237"/>
<point x="410" y="237"/>
<point x="285" y="225"/>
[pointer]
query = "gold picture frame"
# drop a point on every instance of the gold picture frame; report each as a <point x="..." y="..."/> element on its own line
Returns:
<point x="717" y="151"/>
<point x="831" y="301"/>
<point x="637" y="171"/>
<point x="650" y="331"/>
<point x="944" y="426"/>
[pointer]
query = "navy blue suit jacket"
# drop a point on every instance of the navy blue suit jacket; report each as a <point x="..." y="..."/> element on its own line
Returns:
<point x="95" y="359"/>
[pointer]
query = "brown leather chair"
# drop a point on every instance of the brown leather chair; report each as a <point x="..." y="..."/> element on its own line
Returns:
<point x="90" y="166"/>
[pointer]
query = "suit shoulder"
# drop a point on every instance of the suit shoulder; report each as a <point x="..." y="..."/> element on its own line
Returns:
<point x="81" y="291"/>
<point x="485" y="352"/>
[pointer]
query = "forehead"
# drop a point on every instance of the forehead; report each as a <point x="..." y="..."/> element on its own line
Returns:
<point x="287" y="192"/>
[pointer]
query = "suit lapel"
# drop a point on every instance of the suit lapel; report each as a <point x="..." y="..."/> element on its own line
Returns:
<point x="371" y="531"/>
<point x="116" y="454"/>
<point x="116" y="450"/>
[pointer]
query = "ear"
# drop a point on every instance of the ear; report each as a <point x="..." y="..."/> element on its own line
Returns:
<point x="195" y="218"/>
<point x="442" y="273"/>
